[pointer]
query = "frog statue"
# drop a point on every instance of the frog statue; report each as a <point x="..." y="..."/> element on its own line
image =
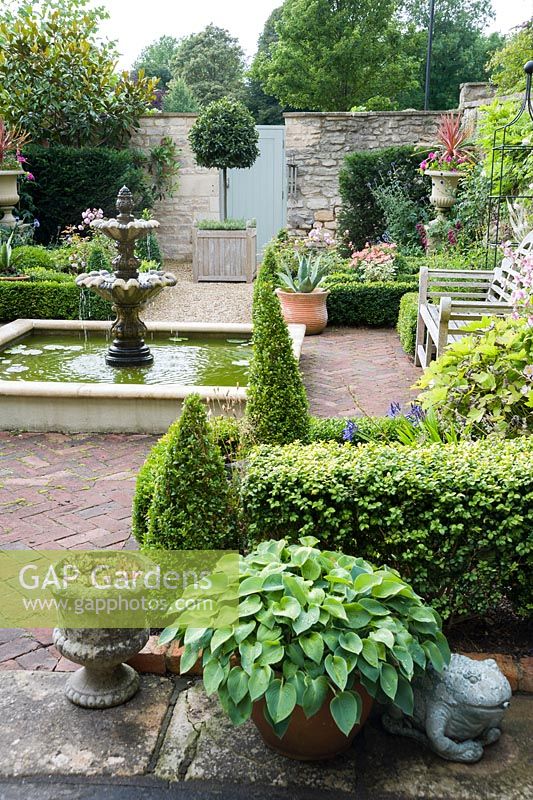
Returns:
<point x="455" y="712"/>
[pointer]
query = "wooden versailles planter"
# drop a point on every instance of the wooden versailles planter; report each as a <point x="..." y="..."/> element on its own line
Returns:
<point x="224" y="255"/>
<point x="307" y="308"/>
<point x="314" y="739"/>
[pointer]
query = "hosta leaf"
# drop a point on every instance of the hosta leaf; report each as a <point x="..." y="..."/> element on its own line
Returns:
<point x="370" y="652"/>
<point x="219" y="637"/>
<point x="287" y="607"/>
<point x="239" y="712"/>
<point x="373" y="607"/>
<point x="280" y="699"/>
<point x="364" y="581"/>
<point x="366" y="669"/>
<point x="237" y="684"/>
<point x="213" y="675"/>
<point x="404" y="657"/>
<point x="194" y="636"/>
<point x="387" y="589"/>
<point x="188" y="659"/>
<point x="420" y="614"/>
<point x="242" y="631"/>
<point x="346" y="710"/>
<point x="249" y="652"/>
<point x="251" y="585"/>
<point x="306" y="619"/>
<point x="298" y="680"/>
<point x="315" y="695"/>
<point x="259" y="681"/>
<point x="357" y="615"/>
<point x="404" y="698"/>
<point x="279" y="728"/>
<point x="383" y="635"/>
<point x="251" y="605"/>
<point x="168" y="635"/>
<point x="297" y="588"/>
<point x="389" y="680"/>
<point x="434" y="655"/>
<point x="313" y="646"/>
<point x="337" y="670"/>
<point x="334" y="607"/>
<point x="351" y="642"/>
<point x="272" y="653"/>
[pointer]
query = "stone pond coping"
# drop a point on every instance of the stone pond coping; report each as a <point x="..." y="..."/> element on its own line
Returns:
<point x="160" y="659"/>
<point x="82" y="407"/>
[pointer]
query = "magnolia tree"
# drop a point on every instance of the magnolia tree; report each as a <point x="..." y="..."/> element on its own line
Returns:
<point x="224" y="137"/>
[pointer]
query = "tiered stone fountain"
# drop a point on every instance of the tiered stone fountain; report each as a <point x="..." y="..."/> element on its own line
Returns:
<point x="128" y="289"/>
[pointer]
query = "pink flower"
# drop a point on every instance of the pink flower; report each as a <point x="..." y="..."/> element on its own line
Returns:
<point x="30" y="176"/>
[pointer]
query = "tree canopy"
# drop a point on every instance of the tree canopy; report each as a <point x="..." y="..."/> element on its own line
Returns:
<point x="58" y="78"/>
<point x="156" y="59"/>
<point x="333" y="54"/>
<point x="460" y="48"/>
<point x="265" y="107"/>
<point x="507" y="64"/>
<point x="212" y="65"/>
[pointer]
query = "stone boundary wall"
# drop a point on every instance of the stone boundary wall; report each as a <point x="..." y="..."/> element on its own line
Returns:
<point x="317" y="143"/>
<point x="197" y="196"/>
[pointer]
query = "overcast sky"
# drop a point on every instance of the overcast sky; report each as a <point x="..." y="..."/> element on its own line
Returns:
<point x="136" y="23"/>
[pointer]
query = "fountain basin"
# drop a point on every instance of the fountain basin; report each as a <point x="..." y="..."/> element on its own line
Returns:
<point x="112" y="407"/>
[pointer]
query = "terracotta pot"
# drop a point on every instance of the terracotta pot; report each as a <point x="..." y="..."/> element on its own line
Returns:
<point x="9" y="196"/>
<point x="443" y="187"/>
<point x="304" y="308"/>
<point x="314" y="739"/>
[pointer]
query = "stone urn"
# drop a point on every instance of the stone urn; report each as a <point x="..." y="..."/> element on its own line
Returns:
<point x="104" y="680"/>
<point x="9" y="195"/>
<point x="305" y="308"/>
<point x="444" y="185"/>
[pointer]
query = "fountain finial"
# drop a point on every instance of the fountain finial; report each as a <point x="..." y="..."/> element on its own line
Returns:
<point x="125" y="206"/>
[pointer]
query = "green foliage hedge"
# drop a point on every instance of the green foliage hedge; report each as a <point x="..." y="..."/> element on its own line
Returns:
<point x="456" y="521"/>
<point x="183" y="499"/>
<point x="30" y="256"/>
<point x="70" y="179"/>
<point x="360" y="215"/>
<point x="353" y="303"/>
<point x="277" y="408"/>
<point x="407" y="320"/>
<point x="49" y="299"/>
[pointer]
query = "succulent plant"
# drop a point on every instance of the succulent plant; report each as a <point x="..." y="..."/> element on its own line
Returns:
<point x="311" y="272"/>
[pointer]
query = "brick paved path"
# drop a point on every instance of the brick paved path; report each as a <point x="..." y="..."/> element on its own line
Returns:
<point x="365" y="364"/>
<point x="75" y="491"/>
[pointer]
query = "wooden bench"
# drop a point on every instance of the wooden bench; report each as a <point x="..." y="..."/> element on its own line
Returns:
<point x="450" y="299"/>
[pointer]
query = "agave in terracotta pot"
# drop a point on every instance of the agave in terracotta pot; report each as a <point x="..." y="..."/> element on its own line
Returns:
<point x="319" y="636"/>
<point x="302" y="299"/>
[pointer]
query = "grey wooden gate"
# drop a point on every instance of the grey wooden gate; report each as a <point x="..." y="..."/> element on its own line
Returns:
<point x="260" y="192"/>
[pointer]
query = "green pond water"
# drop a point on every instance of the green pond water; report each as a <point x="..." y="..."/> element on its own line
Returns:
<point x="193" y="360"/>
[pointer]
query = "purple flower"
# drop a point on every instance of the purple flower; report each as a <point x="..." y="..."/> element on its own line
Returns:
<point x="416" y="414"/>
<point x="30" y="176"/>
<point x="349" y="431"/>
<point x="394" y="411"/>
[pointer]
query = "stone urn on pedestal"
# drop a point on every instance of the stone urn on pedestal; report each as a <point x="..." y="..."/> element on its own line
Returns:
<point x="9" y="195"/>
<point x="443" y="197"/>
<point x="104" y="680"/>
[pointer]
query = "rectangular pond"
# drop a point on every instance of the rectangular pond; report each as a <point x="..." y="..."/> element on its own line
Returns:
<point x="72" y="389"/>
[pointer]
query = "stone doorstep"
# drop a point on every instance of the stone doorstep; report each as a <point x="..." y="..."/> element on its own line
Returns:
<point x="159" y="660"/>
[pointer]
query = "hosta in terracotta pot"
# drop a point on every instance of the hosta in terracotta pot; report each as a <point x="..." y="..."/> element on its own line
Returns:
<point x="319" y="636"/>
<point x="302" y="300"/>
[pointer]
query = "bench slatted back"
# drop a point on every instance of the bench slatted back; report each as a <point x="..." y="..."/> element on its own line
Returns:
<point x="506" y="277"/>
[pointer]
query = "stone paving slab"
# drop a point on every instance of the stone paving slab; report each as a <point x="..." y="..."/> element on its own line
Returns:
<point x="42" y="733"/>
<point x="201" y="744"/>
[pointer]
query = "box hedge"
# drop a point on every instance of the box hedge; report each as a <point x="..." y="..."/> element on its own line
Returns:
<point x="50" y="300"/>
<point x="70" y="179"/>
<point x="456" y="521"/>
<point x="407" y="320"/>
<point x="353" y="303"/>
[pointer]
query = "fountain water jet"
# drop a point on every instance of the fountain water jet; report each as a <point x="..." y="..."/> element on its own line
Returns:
<point x="126" y="288"/>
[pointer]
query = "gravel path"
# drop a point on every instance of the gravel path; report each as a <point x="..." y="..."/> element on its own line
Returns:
<point x="201" y="302"/>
